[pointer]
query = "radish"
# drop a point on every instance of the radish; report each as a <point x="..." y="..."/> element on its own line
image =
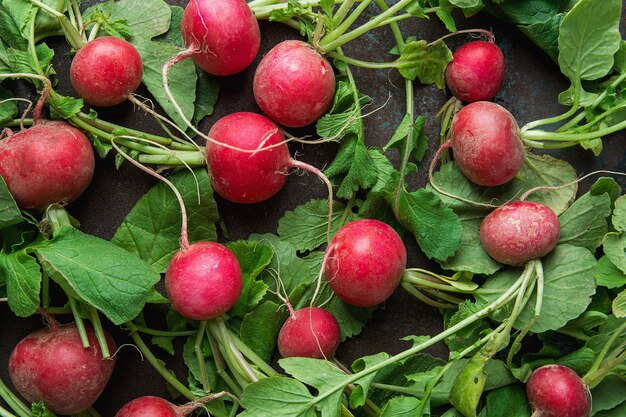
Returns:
<point x="365" y="262"/>
<point x="476" y="71"/>
<point x="519" y="231"/>
<point x="222" y="36"/>
<point x="293" y="84"/>
<point x="51" y="162"/>
<point x="557" y="391"/>
<point x="106" y="70"/>
<point x="239" y="171"/>
<point x="151" y="406"/>
<point x="203" y="280"/>
<point x="51" y="365"/>
<point x="485" y="139"/>
<point x="310" y="332"/>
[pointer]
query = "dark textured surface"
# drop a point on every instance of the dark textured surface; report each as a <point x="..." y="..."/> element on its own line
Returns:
<point x="532" y="83"/>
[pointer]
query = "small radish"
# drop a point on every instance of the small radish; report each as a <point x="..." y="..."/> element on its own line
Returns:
<point x="241" y="174"/>
<point x="106" y="70"/>
<point x="150" y="406"/>
<point x="51" y="162"/>
<point x="203" y="280"/>
<point x="476" y="71"/>
<point x="557" y="391"/>
<point x="223" y="36"/>
<point x="485" y="140"/>
<point x="519" y="231"/>
<point x="310" y="332"/>
<point x="51" y="365"/>
<point x="294" y="85"/>
<point x="365" y="262"/>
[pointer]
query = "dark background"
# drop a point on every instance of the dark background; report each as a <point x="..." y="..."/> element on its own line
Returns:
<point x="531" y="86"/>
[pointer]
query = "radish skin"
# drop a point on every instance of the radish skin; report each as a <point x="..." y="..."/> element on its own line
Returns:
<point x="557" y="391"/>
<point x="310" y="332"/>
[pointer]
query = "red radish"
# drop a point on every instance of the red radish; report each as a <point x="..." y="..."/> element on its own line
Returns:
<point x="557" y="391"/>
<point x="310" y="332"/>
<point x="254" y="176"/>
<point x="476" y="72"/>
<point x="485" y="139"/>
<point x="106" y="70"/>
<point x="365" y="262"/>
<point x="519" y="231"/>
<point x="51" y="162"/>
<point x="51" y="365"/>
<point x="150" y="406"/>
<point x="203" y="280"/>
<point x="294" y="85"/>
<point x="223" y="35"/>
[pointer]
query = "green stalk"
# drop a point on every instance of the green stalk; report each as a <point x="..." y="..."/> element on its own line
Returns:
<point x="80" y="325"/>
<point x="605" y="349"/>
<point x="175" y="158"/>
<point x="45" y="290"/>
<point x="71" y="34"/>
<point x="157" y="364"/>
<point x="249" y="353"/>
<point x="97" y="326"/>
<point x="5" y="413"/>
<point x="420" y="279"/>
<point x="558" y="118"/>
<point x="164" y="333"/>
<point x="484" y="312"/>
<point x="539" y="135"/>
<point x="13" y="401"/>
<point x="197" y="348"/>
<point x="343" y="10"/>
<point x="220" y="365"/>
<point x="345" y="25"/>
<point x="423" y="298"/>
<point x="360" y="63"/>
<point x="331" y="41"/>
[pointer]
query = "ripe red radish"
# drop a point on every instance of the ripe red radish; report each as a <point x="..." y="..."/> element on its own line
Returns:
<point x="51" y="162"/>
<point x="476" y="71"/>
<point x="557" y="391"/>
<point x="294" y="85"/>
<point x="365" y="262"/>
<point x="485" y="139"/>
<point x="519" y="231"/>
<point x="51" y="365"/>
<point x="151" y="406"/>
<point x="203" y="280"/>
<point x="310" y="332"/>
<point x="254" y="176"/>
<point x="106" y="70"/>
<point x="223" y="35"/>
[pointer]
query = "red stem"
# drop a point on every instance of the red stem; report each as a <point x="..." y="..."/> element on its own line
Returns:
<point x="49" y="318"/>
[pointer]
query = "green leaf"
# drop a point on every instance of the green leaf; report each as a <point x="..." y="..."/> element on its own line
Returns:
<point x="182" y="79"/>
<point x="508" y="401"/>
<point x="277" y="397"/>
<point x="606" y="185"/>
<point x="152" y="228"/>
<point x="619" y="214"/>
<point x="585" y="223"/>
<point x="191" y="361"/>
<point x="173" y="36"/>
<point x="305" y="227"/>
<point x="444" y="14"/>
<point x="322" y="375"/>
<point x="401" y="407"/>
<point x="419" y="144"/>
<point x="435" y="226"/>
<point x="606" y="332"/>
<point x="614" y="245"/>
<point x="354" y="164"/>
<point x="618" y="411"/>
<point x="467" y="336"/>
<point x="343" y="117"/>
<point x="253" y="258"/>
<point x="568" y="287"/>
<point x="259" y="329"/>
<point x="23" y="281"/>
<point x="20" y="11"/>
<point x="207" y="89"/>
<point x="588" y="38"/>
<point x="39" y="409"/>
<point x="607" y="395"/>
<point x="22" y="61"/>
<point x="469" y="385"/>
<point x="360" y="393"/>
<point x="145" y="18"/>
<point x="619" y="305"/>
<point x="64" y="107"/>
<point x="10" y="32"/>
<point x="8" y="109"/>
<point x="9" y="212"/>
<point x="608" y="275"/>
<point x="425" y="61"/>
<point x="545" y="34"/>
<point x="466" y="4"/>
<point x="106" y="276"/>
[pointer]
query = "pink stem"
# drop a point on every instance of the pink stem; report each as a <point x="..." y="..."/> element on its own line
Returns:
<point x="44" y="96"/>
<point x="52" y="323"/>
<point x="488" y="34"/>
<point x="186" y="409"/>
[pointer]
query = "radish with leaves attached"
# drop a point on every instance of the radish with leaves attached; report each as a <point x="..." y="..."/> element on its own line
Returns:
<point x="51" y="365"/>
<point x="106" y="70"/>
<point x="310" y="332"/>
<point x="365" y="262"/>
<point x="557" y="391"/>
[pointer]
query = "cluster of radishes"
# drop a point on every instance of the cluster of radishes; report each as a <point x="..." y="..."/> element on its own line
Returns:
<point x="248" y="160"/>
